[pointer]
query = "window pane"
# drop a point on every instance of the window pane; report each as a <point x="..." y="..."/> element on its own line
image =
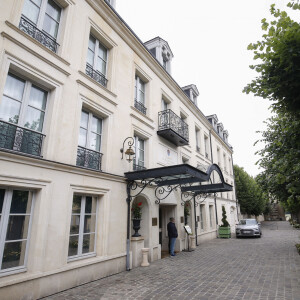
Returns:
<point x="34" y="119"/>
<point x="82" y="137"/>
<point x="38" y="98"/>
<point x="89" y="223"/>
<point x="14" y="87"/>
<point x="90" y="205"/>
<point x="50" y="26"/>
<point x="101" y="66"/>
<point x="2" y="193"/>
<point x="20" y="204"/>
<point x="88" y="244"/>
<point x="31" y="10"/>
<point x="95" y="142"/>
<point x="92" y="43"/>
<point x="53" y="10"/>
<point x="73" y="245"/>
<point x="141" y="144"/>
<point x="141" y="97"/>
<point x="9" y="110"/>
<point x="102" y="52"/>
<point x="84" y="119"/>
<point x="74" y="227"/>
<point x="17" y="228"/>
<point x="142" y="86"/>
<point x="90" y="57"/>
<point x="14" y="254"/>
<point x="76" y="204"/>
<point x="96" y="125"/>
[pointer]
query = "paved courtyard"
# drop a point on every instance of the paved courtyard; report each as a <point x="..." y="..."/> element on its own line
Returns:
<point x="227" y="269"/>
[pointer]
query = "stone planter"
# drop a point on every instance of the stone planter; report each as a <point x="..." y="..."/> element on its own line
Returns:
<point x="136" y="227"/>
<point x="224" y="232"/>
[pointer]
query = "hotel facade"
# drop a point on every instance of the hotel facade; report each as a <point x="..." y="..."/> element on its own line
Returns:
<point x="75" y="83"/>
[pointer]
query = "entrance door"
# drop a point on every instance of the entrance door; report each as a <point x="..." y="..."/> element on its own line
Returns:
<point x="165" y="213"/>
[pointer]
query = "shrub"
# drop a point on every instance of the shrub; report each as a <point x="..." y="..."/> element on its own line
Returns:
<point x="224" y="218"/>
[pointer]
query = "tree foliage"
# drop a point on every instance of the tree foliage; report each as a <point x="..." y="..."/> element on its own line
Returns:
<point x="279" y="54"/>
<point x="279" y="82"/>
<point x="249" y="194"/>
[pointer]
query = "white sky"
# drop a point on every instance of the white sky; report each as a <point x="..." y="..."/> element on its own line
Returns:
<point x="209" y="41"/>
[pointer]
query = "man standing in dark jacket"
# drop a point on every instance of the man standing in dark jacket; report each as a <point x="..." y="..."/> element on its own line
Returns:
<point x="172" y="233"/>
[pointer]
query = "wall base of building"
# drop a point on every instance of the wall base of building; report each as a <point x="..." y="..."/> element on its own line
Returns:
<point x="206" y="236"/>
<point x="61" y="280"/>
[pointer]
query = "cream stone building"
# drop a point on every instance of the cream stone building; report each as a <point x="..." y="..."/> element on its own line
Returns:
<point x="75" y="83"/>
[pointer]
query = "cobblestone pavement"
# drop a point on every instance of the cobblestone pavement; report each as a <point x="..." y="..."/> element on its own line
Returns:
<point x="227" y="269"/>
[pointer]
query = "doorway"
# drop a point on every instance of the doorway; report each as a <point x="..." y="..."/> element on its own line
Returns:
<point x="165" y="213"/>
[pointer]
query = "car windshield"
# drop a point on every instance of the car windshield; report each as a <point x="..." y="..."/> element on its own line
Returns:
<point x="247" y="222"/>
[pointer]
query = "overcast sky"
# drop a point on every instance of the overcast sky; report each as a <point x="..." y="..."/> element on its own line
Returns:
<point x="209" y="41"/>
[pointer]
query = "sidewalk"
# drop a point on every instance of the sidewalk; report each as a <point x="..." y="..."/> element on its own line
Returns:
<point x="266" y="268"/>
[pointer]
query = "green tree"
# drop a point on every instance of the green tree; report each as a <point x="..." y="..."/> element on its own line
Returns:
<point x="278" y="54"/>
<point x="249" y="193"/>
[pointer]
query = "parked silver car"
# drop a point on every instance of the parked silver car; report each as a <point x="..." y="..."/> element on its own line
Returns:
<point x="248" y="227"/>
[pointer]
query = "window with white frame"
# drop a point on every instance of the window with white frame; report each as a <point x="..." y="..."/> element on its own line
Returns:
<point x="22" y="114"/>
<point x="197" y="134"/>
<point x="15" y="219"/>
<point x="206" y="146"/>
<point x="164" y="105"/>
<point x="89" y="142"/>
<point x="202" y="208"/>
<point x="96" y="66"/>
<point x="225" y="165"/>
<point x="139" y="95"/>
<point x="83" y="226"/>
<point x="41" y="20"/>
<point x="211" y="216"/>
<point x="139" y="160"/>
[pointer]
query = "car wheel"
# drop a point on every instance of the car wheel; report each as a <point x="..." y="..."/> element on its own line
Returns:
<point x="259" y="236"/>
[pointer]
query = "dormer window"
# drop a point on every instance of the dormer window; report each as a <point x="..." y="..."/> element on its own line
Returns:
<point x="192" y="92"/>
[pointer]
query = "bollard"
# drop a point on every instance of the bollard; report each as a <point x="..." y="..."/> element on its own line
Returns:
<point x="145" y="262"/>
<point x="193" y="242"/>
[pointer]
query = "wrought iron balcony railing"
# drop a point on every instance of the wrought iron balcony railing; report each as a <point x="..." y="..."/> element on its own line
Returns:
<point x="99" y="77"/>
<point x="41" y="36"/>
<point x="16" y="138"/>
<point x="173" y="128"/>
<point x="138" y="167"/>
<point x="140" y="106"/>
<point x="88" y="158"/>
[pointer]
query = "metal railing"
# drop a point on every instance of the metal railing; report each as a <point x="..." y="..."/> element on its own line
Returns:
<point x="88" y="158"/>
<point x="138" y="167"/>
<point x="20" y="139"/>
<point x="167" y="119"/>
<point x="41" y="36"/>
<point x="140" y="106"/>
<point x="97" y="76"/>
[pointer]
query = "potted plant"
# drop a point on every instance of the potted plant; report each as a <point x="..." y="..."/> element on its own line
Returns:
<point x="136" y="210"/>
<point x="224" y="228"/>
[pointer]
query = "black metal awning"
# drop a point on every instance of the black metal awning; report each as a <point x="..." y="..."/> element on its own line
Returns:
<point x="184" y="176"/>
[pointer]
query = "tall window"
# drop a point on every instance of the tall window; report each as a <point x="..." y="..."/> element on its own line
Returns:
<point x="15" y="219"/>
<point x="164" y="105"/>
<point x="139" y="162"/>
<point x="139" y="95"/>
<point x="96" y="66"/>
<point x="83" y="226"/>
<point x="197" y="134"/>
<point x="22" y="113"/>
<point x="89" y="143"/>
<point x="206" y="146"/>
<point x="225" y="165"/>
<point x="202" y="207"/>
<point x="211" y="216"/>
<point x="41" y="21"/>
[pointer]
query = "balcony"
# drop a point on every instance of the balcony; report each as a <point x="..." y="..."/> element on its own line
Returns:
<point x="88" y="158"/>
<point x="138" y="167"/>
<point x="140" y="106"/>
<point x="173" y="128"/>
<point x="41" y="36"/>
<point x="19" y="139"/>
<point x="97" y="76"/>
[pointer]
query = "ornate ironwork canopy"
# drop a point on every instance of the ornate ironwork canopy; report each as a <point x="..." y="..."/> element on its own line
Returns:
<point x="166" y="179"/>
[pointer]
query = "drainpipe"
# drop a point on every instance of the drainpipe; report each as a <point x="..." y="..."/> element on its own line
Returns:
<point x="215" y="198"/>
<point x="195" y="216"/>
<point x="236" y="199"/>
<point x="128" y="199"/>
